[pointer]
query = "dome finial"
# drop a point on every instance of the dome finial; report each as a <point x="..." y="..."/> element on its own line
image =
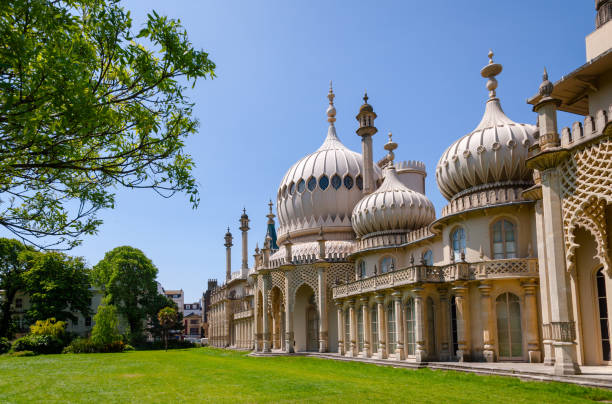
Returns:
<point x="489" y="72"/>
<point x="331" y="110"/>
<point x="365" y="97"/>
<point x="390" y="146"/>
<point x="546" y="88"/>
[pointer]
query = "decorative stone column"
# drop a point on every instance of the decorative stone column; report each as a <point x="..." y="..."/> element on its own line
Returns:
<point x="547" y="160"/>
<point x="340" y="327"/>
<point x="382" y="329"/>
<point x="544" y="287"/>
<point x="322" y="307"/>
<point x="488" y="348"/>
<point x="531" y="317"/>
<point x="399" y="325"/>
<point x="419" y="331"/>
<point x="353" y="329"/>
<point x="463" y="321"/>
<point x="365" y="313"/>
<point x="266" y="310"/>
<point x="443" y="323"/>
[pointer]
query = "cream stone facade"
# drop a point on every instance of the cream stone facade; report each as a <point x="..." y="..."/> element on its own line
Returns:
<point x="516" y="268"/>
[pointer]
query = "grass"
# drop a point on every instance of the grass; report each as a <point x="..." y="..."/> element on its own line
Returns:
<point x="214" y="375"/>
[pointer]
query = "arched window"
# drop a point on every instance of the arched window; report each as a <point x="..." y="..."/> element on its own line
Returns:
<point x="301" y="186"/>
<point x="323" y="182"/>
<point x="336" y="181"/>
<point x="387" y="265"/>
<point x="410" y="327"/>
<point x="509" y="333"/>
<point x="348" y="182"/>
<point x="312" y="183"/>
<point x="428" y="258"/>
<point x="374" y="328"/>
<point x="458" y="242"/>
<point x="360" y="339"/>
<point x="391" y="329"/>
<point x="359" y="182"/>
<point x="291" y="188"/>
<point x="361" y="269"/>
<point x="504" y="239"/>
<point x="602" y="301"/>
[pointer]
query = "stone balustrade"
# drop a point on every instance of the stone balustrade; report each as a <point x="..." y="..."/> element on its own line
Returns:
<point x="494" y="269"/>
<point x="243" y="314"/>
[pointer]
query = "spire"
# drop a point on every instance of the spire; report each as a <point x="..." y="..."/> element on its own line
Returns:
<point x="331" y="110"/>
<point x="390" y="146"/>
<point x="271" y="230"/>
<point x="489" y="72"/>
<point x="546" y="88"/>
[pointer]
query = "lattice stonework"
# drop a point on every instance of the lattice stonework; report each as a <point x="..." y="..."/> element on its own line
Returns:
<point x="303" y="274"/>
<point x="278" y="280"/>
<point x="340" y="272"/>
<point x="586" y="179"/>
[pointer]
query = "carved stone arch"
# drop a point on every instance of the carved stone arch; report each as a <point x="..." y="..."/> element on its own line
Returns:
<point x="305" y="274"/>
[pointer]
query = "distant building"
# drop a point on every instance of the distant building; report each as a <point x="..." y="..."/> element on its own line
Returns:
<point x="177" y="296"/>
<point x="212" y="285"/>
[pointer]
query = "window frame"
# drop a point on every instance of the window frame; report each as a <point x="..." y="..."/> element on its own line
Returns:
<point x="456" y="255"/>
<point x="502" y="220"/>
<point x="393" y="263"/>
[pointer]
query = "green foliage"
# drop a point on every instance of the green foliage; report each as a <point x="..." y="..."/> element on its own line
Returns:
<point x="50" y="327"/>
<point x="39" y="344"/>
<point x="12" y="268"/>
<point x="5" y="345"/>
<point x="154" y="327"/>
<point x="172" y="344"/>
<point x="87" y="345"/>
<point x="127" y="278"/>
<point x="88" y="105"/>
<point x="19" y="354"/>
<point x="167" y="318"/>
<point x="106" y="327"/>
<point x="57" y="285"/>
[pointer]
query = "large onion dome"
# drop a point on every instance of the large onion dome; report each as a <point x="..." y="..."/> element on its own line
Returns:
<point x="392" y="207"/>
<point x="321" y="189"/>
<point x="492" y="155"/>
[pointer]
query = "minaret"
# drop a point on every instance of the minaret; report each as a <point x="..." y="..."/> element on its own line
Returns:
<point x="228" y="255"/>
<point x="271" y="230"/>
<point x="244" y="227"/>
<point x="366" y="117"/>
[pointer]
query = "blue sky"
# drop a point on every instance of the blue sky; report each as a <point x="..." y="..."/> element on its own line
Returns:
<point x="420" y="62"/>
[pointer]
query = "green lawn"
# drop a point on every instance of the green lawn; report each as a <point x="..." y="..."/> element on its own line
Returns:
<point x="212" y="375"/>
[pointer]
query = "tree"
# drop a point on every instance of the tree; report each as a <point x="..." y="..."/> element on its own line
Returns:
<point x="167" y="319"/>
<point x="106" y="328"/>
<point x="58" y="286"/>
<point x="12" y="268"/>
<point x="86" y="105"/>
<point x="127" y="278"/>
<point x="154" y="327"/>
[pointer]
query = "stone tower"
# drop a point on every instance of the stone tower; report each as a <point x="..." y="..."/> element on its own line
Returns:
<point x="228" y="254"/>
<point x="366" y="117"/>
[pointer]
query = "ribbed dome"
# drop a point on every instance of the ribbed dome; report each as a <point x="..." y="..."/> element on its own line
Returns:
<point x="322" y="188"/>
<point x="493" y="154"/>
<point x="392" y="207"/>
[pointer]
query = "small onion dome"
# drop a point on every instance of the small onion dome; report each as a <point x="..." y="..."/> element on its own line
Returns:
<point x="492" y="155"/>
<point x="392" y="207"/>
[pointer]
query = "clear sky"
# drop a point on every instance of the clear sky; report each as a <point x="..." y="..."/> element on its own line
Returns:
<point x="420" y="62"/>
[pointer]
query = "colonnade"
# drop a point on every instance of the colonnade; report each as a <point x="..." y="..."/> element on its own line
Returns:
<point x="396" y="323"/>
<point x="242" y="337"/>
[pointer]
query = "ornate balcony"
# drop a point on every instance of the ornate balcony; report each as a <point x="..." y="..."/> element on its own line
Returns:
<point x="494" y="269"/>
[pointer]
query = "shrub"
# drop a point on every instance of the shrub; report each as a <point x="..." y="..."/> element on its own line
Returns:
<point x="39" y="344"/>
<point x="87" y="345"/>
<point x="106" y="327"/>
<point x="22" y="353"/>
<point x="49" y="327"/>
<point x="5" y="345"/>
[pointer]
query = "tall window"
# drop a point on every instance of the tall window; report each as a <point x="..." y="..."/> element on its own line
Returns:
<point x="347" y="329"/>
<point x="361" y="269"/>
<point x="410" y="327"/>
<point x="387" y="265"/>
<point x="602" y="301"/>
<point x="453" y="313"/>
<point x="504" y="240"/>
<point x="458" y="242"/>
<point x="391" y="329"/>
<point x="428" y="258"/>
<point x="509" y="332"/>
<point x="360" y="340"/>
<point x="374" y="328"/>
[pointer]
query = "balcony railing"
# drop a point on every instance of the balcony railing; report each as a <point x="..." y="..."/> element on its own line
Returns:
<point x="495" y="269"/>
